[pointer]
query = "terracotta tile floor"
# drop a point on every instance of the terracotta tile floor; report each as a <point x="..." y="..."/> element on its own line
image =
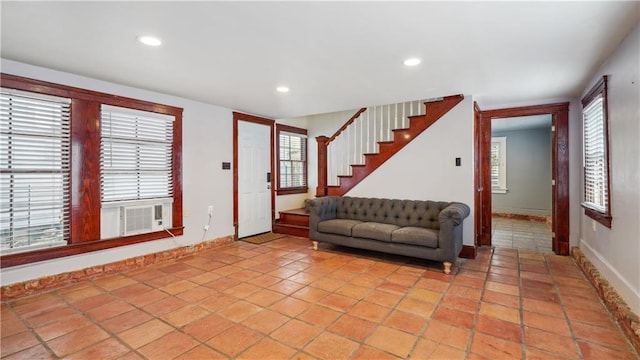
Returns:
<point x="282" y="300"/>
<point x="521" y="234"/>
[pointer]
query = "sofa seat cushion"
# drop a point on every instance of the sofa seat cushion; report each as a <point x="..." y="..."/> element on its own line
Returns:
<point x="416" y="236"/>
<point x="374" y="230"/>
<point x="337" y="226"/>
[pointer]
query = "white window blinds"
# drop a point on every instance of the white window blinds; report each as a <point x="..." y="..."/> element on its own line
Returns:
<point x="495" y="164"/>
<point x="135" y="154"/>
<point x="34" y="171"/>
<point x="293" y="148"/>
<point x="499" y="164"/>
<point x="595" y="165"/>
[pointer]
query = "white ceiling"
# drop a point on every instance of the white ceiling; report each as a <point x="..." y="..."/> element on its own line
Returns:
<point x="333" y="55"/>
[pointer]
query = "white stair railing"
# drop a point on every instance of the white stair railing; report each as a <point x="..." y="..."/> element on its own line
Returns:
<point x="363" y="134"/>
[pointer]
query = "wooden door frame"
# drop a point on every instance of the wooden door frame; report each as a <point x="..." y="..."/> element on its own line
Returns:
<point x="257" y="120"/>
<point x="559" y="170"/>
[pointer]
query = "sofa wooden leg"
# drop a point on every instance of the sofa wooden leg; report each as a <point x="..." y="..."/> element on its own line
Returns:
<point x="315" y="245"/>
<point x="447" y="267"/>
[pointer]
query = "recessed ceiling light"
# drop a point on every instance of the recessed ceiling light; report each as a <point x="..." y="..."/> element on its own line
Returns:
<point x="282" y="89"/>
<point x="149" y="40"/>
<point x="412" y="62"/>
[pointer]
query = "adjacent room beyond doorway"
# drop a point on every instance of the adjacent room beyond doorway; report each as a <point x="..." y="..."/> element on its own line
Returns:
<point x="521" y="183"/>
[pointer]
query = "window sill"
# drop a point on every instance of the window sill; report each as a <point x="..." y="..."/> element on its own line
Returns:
<point x="289" y="191"/>
<point x="83" y="247"/>
<point x="499" y="191"/>
<point x="604" y="219"/>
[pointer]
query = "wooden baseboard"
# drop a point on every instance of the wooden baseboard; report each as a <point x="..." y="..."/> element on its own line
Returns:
<point x="540" y="218"/>
<point x="468" y="252"/>
<point x="51" y="282"/>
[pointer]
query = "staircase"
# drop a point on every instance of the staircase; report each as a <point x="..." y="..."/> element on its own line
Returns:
<point x="362" y="144"/>
<point x="292" y="222"/>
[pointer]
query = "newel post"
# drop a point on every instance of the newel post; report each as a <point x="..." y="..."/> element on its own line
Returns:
<point x="321" y="190"/>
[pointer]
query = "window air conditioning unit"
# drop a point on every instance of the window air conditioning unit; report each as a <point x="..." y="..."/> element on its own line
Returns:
<point x="140" y="219"/>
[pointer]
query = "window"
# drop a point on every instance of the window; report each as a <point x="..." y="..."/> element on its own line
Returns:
<point x="596" y="199"/>
<point x="34" y="171"/>
<point x="499" y="165"/>
<point x="136" y="149"/>
<point x="68" y="154"/>
<point x="292" y="160"/>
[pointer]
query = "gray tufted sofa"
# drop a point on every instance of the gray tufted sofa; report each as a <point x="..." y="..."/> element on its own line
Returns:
<point x="422" y="229"/>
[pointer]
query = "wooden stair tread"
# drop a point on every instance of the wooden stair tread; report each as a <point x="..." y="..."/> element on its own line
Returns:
<point x="291" y="230"/>
<point x="278" y="222"/>
<point x="300" y="211"/>
<point x="292" y="222"/>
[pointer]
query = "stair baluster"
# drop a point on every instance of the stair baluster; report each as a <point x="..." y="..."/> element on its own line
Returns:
<point x="363" y="134"/>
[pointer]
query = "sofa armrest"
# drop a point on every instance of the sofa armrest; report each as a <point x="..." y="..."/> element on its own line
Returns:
<point x="450" y="237"/>
<point x="455" y="213"/>
<point x="321" y="209"/>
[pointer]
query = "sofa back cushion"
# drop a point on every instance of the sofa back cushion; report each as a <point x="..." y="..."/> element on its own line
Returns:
<point x="418" y="213"/>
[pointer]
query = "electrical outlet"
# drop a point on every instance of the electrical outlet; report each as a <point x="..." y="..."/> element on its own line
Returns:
<point x="210" y="210"/>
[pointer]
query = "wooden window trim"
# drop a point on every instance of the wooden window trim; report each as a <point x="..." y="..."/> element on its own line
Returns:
<point x="603" y="219"/>
<point x="293" y="190"/>
<point x="85" y="169"/>
<point x="601" y="88"/>
<point x="290" y="190"/>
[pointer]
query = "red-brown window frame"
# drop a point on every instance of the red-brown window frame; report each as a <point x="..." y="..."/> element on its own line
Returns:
<point x="601" y="88"/>
<point x="85" y="169"/>
<point x="293" y="130"/>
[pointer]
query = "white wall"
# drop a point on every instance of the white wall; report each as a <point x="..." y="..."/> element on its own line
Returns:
<point x="575" y="172"/>
<point x="425" y="168"/>
<point x="207" y="142"/>
<point x="616" y="251"/>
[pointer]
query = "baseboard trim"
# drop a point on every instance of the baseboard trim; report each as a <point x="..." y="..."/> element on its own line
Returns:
<point x="626" y="318"/>
<point x="540" y="218"/>
<point x="468" y="252"/>
<point x="51" y="282"/>
<point x="607" y="271"/>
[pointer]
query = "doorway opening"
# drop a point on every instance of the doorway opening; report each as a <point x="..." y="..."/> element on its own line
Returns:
<point x="559" y="170"/>
<point x="521" y="183"/>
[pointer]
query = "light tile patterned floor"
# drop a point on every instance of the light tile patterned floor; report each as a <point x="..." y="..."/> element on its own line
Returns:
<point x="521" y="234"/>
<point x="282" y="300"/>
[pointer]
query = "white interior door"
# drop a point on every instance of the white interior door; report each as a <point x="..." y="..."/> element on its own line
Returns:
<point x="254" y="189"/>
